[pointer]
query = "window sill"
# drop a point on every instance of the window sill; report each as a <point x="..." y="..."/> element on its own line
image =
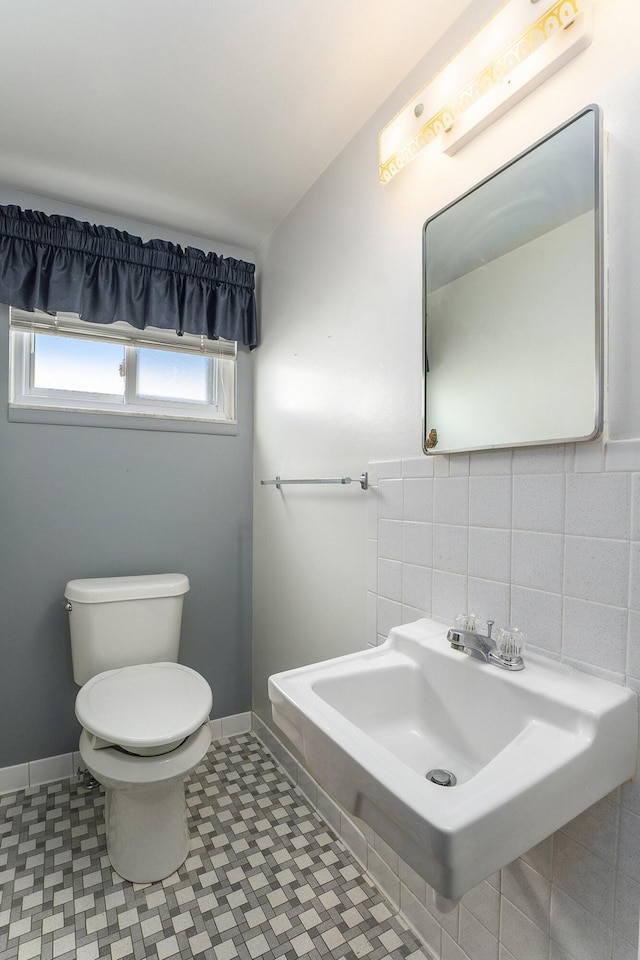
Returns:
<point x="22" y="413"/>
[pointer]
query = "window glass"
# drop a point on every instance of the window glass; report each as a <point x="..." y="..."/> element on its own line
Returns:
<point x="164" y="375"/>
<point x="79" y="366"/>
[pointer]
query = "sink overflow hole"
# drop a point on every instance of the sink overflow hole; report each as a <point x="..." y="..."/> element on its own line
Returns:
<point x="443" y="778"/>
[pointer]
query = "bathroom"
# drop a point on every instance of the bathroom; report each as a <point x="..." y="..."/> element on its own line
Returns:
<point x="277" y="581"/>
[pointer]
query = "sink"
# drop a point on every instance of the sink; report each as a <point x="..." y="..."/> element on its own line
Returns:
<point x="528" y="750"/>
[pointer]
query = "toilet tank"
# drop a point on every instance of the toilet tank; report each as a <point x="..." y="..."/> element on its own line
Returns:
<point x="122" y="621"/>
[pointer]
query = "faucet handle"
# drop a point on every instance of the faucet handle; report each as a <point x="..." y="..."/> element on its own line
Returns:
<point x="467" y="622"/>
<point x="510" y="642"/>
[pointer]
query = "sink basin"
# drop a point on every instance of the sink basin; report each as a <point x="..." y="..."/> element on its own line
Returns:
<point x="529" y="750"/>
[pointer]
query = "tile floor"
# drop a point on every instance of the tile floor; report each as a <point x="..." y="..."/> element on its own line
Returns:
<point x="265" y="877"/>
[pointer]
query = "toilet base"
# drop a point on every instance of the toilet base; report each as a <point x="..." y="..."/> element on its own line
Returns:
<point x="146" y="808"/>
<point x="147" y="833"/>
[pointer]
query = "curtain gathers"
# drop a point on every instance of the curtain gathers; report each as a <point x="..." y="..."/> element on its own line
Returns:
<point x="58" y="264"/>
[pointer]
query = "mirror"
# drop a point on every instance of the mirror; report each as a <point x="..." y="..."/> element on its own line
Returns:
<point x="513" y="301"/>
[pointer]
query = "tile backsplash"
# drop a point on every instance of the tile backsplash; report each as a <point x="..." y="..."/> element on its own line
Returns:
<point x="548" y="540"/>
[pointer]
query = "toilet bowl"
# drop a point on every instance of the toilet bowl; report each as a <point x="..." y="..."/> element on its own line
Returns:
<point x="144" y="716"/>
<point x="145" y="807"/>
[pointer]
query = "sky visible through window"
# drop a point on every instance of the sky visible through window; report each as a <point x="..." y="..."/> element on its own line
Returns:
<point x="62" y="363"/>
<point x="172" y="376"/>
<point x="83" y="366"/>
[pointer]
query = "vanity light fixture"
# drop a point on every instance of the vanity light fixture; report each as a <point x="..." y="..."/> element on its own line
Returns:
<point x="525" y="42"/>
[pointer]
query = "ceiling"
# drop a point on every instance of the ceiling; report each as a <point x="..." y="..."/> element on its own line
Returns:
<point x="213" y="117"/>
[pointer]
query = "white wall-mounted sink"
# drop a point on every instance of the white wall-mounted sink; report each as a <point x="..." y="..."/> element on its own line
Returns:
<point x="530" y="750"/>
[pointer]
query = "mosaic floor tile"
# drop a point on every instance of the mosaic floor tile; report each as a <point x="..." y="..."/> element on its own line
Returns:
<point x="265" y="877"/>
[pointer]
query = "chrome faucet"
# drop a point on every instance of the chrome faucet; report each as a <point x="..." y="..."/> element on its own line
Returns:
<point x="505" y="652"/>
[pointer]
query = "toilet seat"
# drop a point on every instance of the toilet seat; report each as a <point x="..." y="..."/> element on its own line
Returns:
<point x="123" y="771"/>
<point x="145" y="707"/>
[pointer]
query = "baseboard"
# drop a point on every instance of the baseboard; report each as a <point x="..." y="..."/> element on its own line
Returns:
<point x="36" y="773"/>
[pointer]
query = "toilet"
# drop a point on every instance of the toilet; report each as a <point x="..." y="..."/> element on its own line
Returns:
<point x="144" y="716"/>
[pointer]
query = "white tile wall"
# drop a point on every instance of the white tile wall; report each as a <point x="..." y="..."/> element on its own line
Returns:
<point x="14" y="778"/>
<point x="548" y="540"/>
<point x="50" y="768"/>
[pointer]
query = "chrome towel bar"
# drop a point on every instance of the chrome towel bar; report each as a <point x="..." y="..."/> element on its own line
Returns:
<point x="363" y="480"/>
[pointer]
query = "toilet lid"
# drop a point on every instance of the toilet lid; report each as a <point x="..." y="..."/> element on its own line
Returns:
<point x="146" y="705"/>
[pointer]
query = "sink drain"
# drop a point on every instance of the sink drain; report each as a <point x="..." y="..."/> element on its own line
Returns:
<point x="442" y="778"/>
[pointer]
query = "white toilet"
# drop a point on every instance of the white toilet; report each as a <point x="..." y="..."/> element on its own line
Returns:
<point x="144" y="716"/>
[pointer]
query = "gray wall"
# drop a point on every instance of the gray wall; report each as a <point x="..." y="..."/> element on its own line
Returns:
<point x="93" y="501"/>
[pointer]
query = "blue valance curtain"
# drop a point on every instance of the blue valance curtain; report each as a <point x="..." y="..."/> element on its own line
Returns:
<point x="58" y="264"/>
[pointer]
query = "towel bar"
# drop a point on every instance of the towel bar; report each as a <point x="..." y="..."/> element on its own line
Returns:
<point x="363" y="480"/>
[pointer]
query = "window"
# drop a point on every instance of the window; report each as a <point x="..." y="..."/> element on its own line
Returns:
<point x="61" y="363"/>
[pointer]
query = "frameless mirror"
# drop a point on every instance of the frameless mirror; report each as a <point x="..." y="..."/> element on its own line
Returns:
<point x="513" y="301"/>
